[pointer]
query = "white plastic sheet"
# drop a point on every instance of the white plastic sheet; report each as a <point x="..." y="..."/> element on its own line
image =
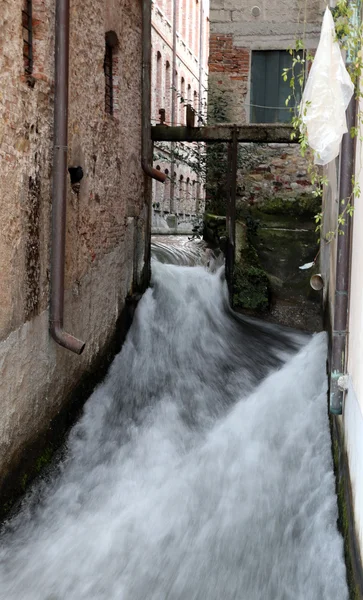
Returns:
<point x="327" y="94"/>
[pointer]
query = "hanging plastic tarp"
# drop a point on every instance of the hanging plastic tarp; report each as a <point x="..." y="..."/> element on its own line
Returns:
<point x="327" y="94"/>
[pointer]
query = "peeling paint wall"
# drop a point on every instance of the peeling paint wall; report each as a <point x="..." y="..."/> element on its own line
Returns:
<point x="107" y="215"/>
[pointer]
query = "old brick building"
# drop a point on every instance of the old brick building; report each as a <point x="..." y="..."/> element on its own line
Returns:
<point x="180" y="35"/>
<point x="249" y="45"/>
<point x="248" y="51"/>
<point x="107" y="210"/>
<point x="249" y="48"/>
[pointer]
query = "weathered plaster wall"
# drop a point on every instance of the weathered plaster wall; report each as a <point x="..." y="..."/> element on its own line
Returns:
<point x="106" y="218"/>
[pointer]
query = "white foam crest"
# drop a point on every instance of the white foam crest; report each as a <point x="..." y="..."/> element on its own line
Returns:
<point x="201" y="468"/>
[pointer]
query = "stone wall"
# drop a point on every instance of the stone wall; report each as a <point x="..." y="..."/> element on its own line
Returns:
<point x="272" y="172"/>
<point x="107" y="215"/>
<point x="274" y="199"/>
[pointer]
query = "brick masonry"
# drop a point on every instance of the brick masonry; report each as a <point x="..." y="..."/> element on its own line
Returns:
<point x="238" y="27"/>
<point x="185" y="193"/>
<point x="106" y="215"/>
<point x="273" y="171"/>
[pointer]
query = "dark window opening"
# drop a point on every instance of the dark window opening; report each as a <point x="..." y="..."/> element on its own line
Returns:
<point x="27" y="37"/>
<point x="111" y="42"/>
<point x="268" y="89"/>
<point x="108" y="79"/>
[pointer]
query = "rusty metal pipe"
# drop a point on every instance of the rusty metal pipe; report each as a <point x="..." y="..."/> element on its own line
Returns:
<point x="59" y="196"/>
<point x="341" y="305"/>
<point x="146" y="143"/>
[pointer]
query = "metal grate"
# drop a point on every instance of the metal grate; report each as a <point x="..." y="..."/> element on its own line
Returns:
<point x="108" y="79"/>
<point x="27" y="37"/>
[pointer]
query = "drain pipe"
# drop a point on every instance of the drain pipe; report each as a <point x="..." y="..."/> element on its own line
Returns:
<point x="338" y="356"/>
<point x="59" y="197"/>
<point x="174" y="101"/>
<point x="146" y="150"/>
<point x="341" y="306"/>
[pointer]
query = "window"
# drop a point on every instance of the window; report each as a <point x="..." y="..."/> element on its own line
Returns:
<point x="167" y="91"/>
<point x="108" y="67"/>
<point x="158" y="97"/>
<point x="27" y="36"/>
<point x="182" y="101"/>
<point x="195" y="101"/>
<point x="268" y="90"/>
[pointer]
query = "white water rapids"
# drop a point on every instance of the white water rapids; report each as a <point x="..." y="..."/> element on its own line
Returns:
<point x="201" y="468"/>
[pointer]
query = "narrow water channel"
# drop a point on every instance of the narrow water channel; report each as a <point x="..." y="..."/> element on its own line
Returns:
<point x="200" y="470"/>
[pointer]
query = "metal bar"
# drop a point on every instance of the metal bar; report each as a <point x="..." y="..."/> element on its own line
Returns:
<point x="228" y="213"/>
<point x="30" y="38"/>
<point x="29" y="41"/>
<point x="260" y="133"/>
<point x="59" y="196"/>
<point x="174" y="100"/>
<point x="109" y="79"/>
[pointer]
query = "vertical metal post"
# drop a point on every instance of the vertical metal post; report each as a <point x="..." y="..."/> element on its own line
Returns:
<point x="231" y="210"/>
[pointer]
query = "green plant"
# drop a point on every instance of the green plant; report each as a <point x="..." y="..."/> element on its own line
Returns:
<point x="349" y="35"/>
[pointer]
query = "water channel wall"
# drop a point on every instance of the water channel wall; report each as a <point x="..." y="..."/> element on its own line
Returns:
<point x="107" y="217"/>
<point x="347" y="429"/>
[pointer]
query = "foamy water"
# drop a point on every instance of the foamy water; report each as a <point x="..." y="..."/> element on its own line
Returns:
<point x="200" y="470"/>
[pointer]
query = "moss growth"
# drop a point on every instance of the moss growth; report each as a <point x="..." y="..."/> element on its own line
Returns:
<point x="214" y="229"/>
<point x="44" y="459"/>
<point x="343" y="515"/>
<point x="250" y="288"/>
<point x="24" y="481"/>
<point x="301" y="206"/>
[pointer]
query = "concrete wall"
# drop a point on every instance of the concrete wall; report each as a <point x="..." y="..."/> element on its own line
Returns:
<point x="353" y="405"/>
<point x="106" y="217"/>
<point x="351" y="423"/>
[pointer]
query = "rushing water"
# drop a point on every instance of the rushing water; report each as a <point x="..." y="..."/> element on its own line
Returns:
<point x="200" y="470"/>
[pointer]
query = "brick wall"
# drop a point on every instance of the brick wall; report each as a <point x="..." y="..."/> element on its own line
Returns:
<point x="187" y="88"/>
<point x="224" y="57"/>
<point x="106" y="216"/>
<point x="238" y="27"/>
<point x="273" y="171"/>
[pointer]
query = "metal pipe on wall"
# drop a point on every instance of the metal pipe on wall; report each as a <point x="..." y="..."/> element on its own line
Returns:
<point x="146" y="143"/>
<point x="59" y="197"/>
<point x="341" y="304"/>
<point x="338" y="356"/>
<point x="200" y="102"/>
<point x="174" y="99"/>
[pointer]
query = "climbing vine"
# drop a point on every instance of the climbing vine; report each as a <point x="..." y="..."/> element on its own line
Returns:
<point x="349" y="36"/>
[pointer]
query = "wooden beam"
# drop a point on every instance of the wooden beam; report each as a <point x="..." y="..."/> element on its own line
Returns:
<point x="263" y="134"/>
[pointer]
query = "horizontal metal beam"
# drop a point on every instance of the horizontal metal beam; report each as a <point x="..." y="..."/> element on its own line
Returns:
<point x="263" y="134"/>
